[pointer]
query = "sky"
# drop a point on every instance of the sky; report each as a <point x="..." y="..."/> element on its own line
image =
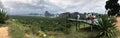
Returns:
<point x="53" y="6"/>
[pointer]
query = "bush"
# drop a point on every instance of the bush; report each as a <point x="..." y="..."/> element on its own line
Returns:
<point x="3" y="16"/>
<point x="106" y="27"/>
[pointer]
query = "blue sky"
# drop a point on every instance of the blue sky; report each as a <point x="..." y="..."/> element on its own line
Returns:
<point x="53" y="6"/>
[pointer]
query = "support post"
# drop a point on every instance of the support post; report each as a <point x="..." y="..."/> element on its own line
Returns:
<point x="79" y="25"/>
<point x="76" y="26"/>
<point x="92" y="27"/>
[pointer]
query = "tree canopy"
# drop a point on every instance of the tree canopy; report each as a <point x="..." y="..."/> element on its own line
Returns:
<point x="113" y="7"/>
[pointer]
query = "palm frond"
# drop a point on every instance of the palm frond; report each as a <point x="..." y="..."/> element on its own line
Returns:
<point x="106" y="27"/>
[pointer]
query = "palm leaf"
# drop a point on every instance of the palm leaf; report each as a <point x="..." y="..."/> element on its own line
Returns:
<point x="106" y="27"/>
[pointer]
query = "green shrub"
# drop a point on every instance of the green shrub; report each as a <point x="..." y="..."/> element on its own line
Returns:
<point x="106" y="27"/>
<point x="3" y="16"/>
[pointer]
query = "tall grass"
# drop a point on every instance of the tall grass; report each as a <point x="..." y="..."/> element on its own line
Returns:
<point x="16" y="30"/>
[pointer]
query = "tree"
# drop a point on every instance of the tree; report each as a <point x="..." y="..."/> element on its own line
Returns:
<point x="113" y="7"/>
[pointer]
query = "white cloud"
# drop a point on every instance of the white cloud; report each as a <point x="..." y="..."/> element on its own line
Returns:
<point x="66" y="3"/>
<point x="22" y="1"/>
<point x="54" y="5"/>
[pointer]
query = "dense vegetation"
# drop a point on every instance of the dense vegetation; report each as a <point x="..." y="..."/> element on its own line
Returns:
<point x="107" y="28"/>
<point x="16" y="29"/>
<point x="113" y="7"/>
<point x="40" y="26"/>
<point x="35" y="24"/>
<point x="43" y="23"/>
<point x="3" y="16"/>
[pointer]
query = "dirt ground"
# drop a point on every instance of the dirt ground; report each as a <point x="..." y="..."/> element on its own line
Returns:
<point x="118" y="23"/>
<point x="4" y="32"/>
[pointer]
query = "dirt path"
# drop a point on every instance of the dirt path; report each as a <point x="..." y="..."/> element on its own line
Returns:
<point x="4" y="32"/>
<point x="118" y="23"/>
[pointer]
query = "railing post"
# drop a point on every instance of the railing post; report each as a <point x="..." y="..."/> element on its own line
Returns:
<point x="79" y="25"/>
<point x="76" y="25"/>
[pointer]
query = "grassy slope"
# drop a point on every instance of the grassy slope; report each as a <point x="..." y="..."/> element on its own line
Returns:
<point x="17" y="30"/>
